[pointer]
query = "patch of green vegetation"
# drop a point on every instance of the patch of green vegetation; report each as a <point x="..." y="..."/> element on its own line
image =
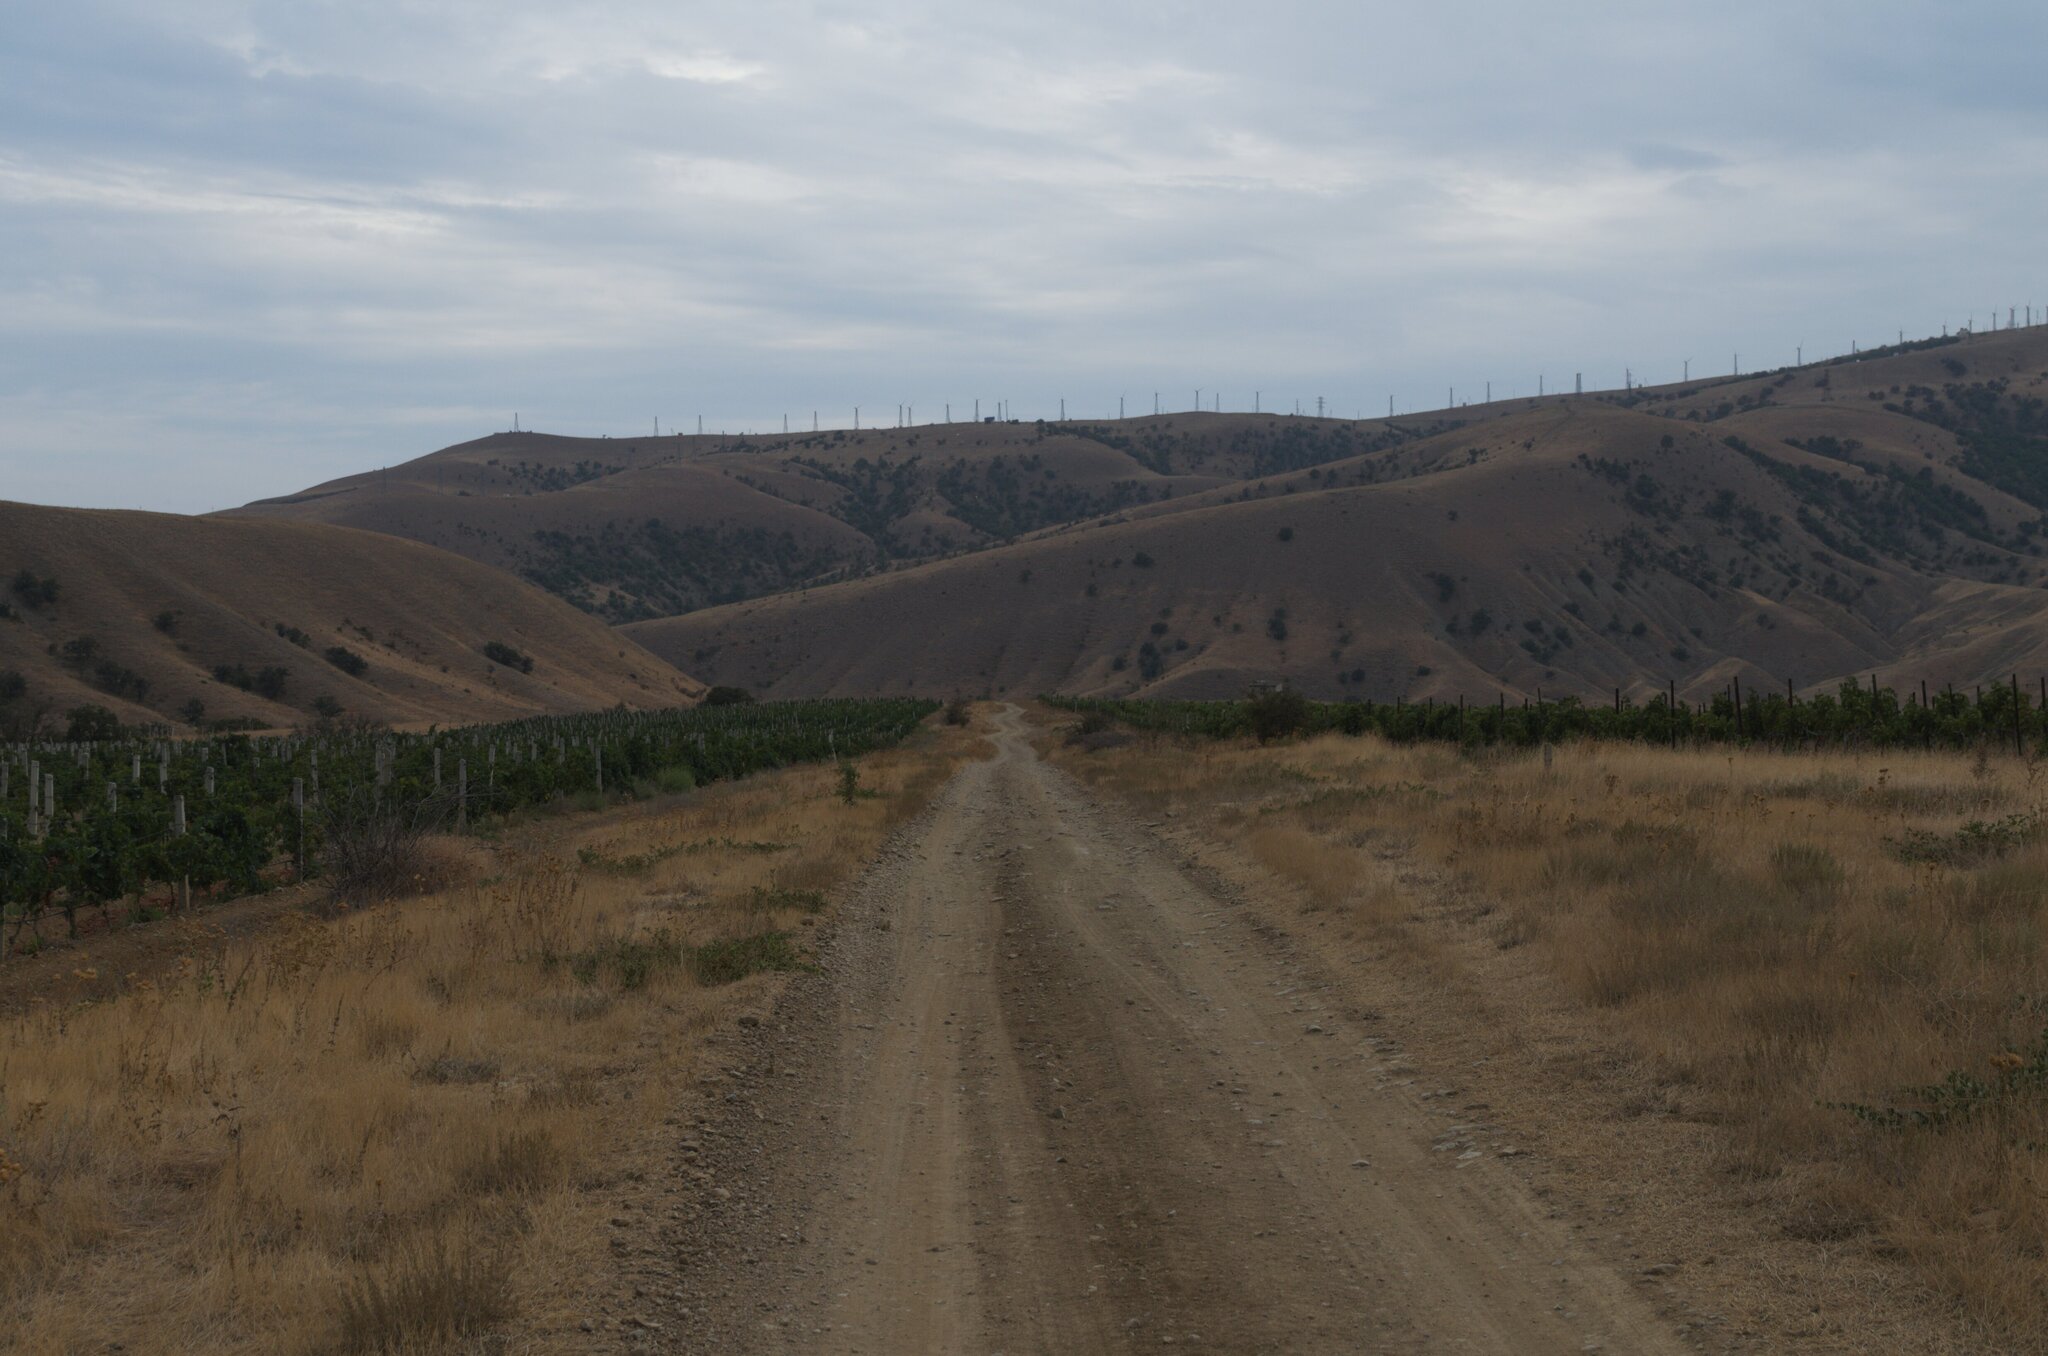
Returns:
<point x="765" y="900"/>
<point x="34" y="591"/>
<point x="265" y="682"/>
<point x="1005" y="497"/>
<point x="498" y="652"/>
<point x="347" y="660"/>
<point x="732" y="960"/>
<point x="2018" y="1079"/>
<point x="634" y="571"/>
<point x="532" y="477"/>
<point x="2004" y="437"/>
<point x="86" y="724"/>
<point x="629" y="963"/>
<point x="1975" y="842"/>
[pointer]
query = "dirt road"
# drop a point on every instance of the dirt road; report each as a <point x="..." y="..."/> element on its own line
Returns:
<point x="1049" y="1094"/>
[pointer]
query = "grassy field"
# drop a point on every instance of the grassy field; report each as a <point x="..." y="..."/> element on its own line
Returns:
<point x="1834" y="961"/>
<point x="391" y="1129"/>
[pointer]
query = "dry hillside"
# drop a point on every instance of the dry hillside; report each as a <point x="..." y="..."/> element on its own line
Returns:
<point x="1882" y="513"/>
<point x="636" y="528"/>
<point x="148" y="613"/>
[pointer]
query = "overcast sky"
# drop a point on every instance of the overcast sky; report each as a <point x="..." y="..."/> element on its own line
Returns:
<point x="248" y="246"/>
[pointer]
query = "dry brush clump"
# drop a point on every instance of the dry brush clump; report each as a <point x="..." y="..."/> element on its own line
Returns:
<point x="381" y="1130"/>
<point x="1836" y="958"/>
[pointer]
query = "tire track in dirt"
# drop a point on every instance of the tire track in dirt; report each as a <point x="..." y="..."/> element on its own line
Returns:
<point x="1050" y="1094"/>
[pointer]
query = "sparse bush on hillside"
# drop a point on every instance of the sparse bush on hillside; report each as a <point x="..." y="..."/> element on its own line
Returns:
<point x="193" y="712"/>
<point x="347" y="660"/>
<point x="726" y="695"/>
<point x="498" y="652"/>
<point x="19" y="719"/>
<point x="34" y="592"/>
<point x="1286" y="534"/>
<point x="89" y="724"/>
<point x="1276" y="625"/>
<point x="294" y="635"/>
<point x="269" y="681"/>
<point x="167" y="622"/>
<point x="326" y="707"/>
<point x="956" y="711"/>
<point x="1142" y="561"/>
<point x="119" y="680"/>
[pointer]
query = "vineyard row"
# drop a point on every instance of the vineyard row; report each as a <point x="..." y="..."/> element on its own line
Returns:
<point x="85" y="826"/>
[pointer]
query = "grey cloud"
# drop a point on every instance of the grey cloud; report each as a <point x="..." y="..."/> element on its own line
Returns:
<point x="245" y="244"/>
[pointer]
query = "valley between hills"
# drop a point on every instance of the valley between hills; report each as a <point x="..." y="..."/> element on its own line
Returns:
<point x="1879" y="513"/>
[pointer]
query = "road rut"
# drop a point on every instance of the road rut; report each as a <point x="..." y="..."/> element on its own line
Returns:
<point x="1051" y="1094"/>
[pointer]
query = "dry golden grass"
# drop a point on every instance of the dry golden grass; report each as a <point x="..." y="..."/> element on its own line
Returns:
<point x="1767" y="931"/>
<point x="380" y="1132"/>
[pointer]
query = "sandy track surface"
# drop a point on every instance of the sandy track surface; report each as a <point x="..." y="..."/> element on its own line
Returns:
<point x="1049" y="1094"/>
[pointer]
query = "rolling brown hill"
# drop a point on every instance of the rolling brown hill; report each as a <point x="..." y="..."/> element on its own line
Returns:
<point x="636" y="528"/>
<point x="1881" y="513"/>
<point x="146" y="613"/>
